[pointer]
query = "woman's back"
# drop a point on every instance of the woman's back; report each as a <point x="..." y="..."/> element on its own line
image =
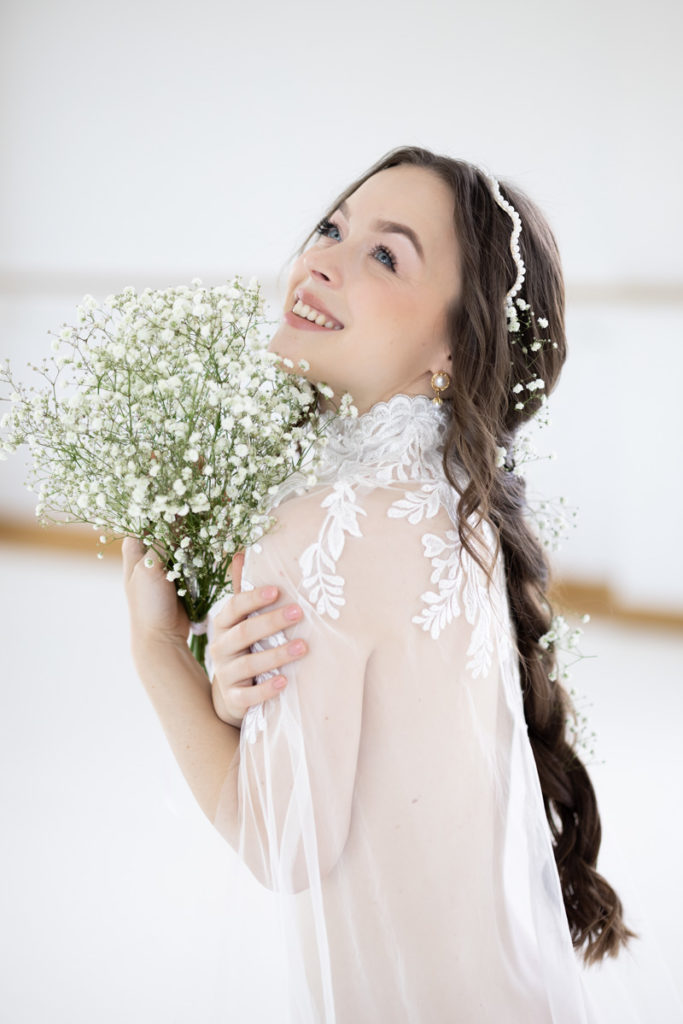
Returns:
<point x="389" y="797"/>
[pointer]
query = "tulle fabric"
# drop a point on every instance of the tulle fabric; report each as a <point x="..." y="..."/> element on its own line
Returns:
<point x="388" y="798"/>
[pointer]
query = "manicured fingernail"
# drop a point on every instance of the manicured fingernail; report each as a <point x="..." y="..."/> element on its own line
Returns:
<point x="292" y="612"/>
<point x="297" y="647"/>
<point x="279" y="682"/>
<point x="268" y="593"/>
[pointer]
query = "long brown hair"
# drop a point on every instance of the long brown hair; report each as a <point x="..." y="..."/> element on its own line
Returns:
<point x="483" y="417"/>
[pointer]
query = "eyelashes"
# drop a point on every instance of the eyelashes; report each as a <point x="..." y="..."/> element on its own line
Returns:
<point x="325" y="226"/>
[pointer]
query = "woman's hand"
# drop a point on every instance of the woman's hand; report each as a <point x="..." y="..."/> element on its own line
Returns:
<point x="156" y="611"/>
<point x="234" y="665"/>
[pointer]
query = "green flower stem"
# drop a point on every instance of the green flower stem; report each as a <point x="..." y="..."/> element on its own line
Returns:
<point x="198" y="648"/>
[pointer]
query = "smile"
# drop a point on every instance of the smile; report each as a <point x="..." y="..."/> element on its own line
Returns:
<point x="314" y="316"/>
<point x="302" y="323"/>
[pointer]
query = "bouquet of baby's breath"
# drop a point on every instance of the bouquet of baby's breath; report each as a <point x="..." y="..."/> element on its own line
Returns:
<point x="164" y="417"/>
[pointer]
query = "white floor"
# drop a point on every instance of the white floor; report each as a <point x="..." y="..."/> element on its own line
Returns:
<point x="117" y="892"/>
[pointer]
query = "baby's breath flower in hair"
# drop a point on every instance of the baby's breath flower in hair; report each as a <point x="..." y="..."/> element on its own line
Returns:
<point x="518" y="312"/>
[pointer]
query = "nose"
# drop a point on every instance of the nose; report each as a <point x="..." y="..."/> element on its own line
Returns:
<point x="322" y="265"/>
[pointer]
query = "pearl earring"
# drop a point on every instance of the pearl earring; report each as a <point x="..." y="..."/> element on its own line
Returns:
<point x="440" y="382"/>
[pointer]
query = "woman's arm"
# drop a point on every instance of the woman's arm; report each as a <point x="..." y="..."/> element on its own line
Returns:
<point x="203" y="743"/>
<point x="180" y="691"/>
<point x="286" y="806"/>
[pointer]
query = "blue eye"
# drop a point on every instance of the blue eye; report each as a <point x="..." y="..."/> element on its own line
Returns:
<point x="326" y="226"/>
<point x="382" y="248"/>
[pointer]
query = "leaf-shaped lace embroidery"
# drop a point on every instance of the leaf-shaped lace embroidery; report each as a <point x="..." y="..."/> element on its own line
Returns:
<point x="478" y="611"/>
<point x="443" y="607"/>
<point x="318" y="563"/>
<point x="447" y="557"/>
<point x="416" y="505"/>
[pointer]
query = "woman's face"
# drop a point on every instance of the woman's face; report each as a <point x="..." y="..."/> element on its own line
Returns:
<point x="389" y="293"/>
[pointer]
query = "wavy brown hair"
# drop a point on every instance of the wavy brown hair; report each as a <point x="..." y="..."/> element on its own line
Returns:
<point x="483" y="416"/>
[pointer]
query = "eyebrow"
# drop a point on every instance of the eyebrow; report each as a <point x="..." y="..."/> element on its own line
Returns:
<point x="390" y="226"/>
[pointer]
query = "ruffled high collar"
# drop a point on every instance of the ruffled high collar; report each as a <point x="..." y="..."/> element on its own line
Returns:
<point x="403" y="436"/>
<point x="398" y="440"/>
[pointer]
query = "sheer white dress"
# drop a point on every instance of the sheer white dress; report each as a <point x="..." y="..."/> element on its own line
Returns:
<point x="388" y="798"/>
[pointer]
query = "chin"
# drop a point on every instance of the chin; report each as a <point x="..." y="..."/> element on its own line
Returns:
<point x="285" y="342"/>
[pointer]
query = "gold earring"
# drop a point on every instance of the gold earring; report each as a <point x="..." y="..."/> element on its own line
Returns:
<point x="440" y="382"/>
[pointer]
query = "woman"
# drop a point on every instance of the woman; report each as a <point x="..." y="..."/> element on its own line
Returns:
<point x="400" y="779"/>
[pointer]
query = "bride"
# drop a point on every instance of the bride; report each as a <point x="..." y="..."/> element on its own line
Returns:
<point x="401" y="780"/>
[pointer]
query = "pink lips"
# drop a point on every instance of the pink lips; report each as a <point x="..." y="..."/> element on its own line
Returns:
<point x="310" y="300"/>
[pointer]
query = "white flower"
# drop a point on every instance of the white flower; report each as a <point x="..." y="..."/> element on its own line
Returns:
<point x="517" y="388"/>
<point x="179" y="422"/>
<point x="199" y="503"/>
<point x="501" y="454"/>
<point x="541" y="321"/>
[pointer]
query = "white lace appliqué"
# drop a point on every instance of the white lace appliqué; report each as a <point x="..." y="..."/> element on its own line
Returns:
<point x="447" y="558"/>
<point x="318" y="563"/>
<point x="417" y="505"/>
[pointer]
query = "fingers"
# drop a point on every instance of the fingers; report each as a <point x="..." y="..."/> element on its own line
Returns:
<point x="236" y="567"/>
<point x="244" y="603"/>
<point x="231" y="704"/>
<point x="249" y="665"/>
<point x="238" y="625"/>
<point x="132" y="551"/>
<point x="246" y="697"/>
<point x="234" y="633"/>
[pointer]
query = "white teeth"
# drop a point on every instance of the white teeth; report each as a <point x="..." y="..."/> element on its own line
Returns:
<point x="308" y="313"/>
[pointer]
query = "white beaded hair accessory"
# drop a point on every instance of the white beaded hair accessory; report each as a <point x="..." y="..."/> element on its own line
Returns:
<point x="510" y="309"/>
<point x="523" y="392"/>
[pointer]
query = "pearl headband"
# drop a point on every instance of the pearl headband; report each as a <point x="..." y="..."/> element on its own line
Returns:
<point x="512" y="305"/>
<point x="510" y="310"/>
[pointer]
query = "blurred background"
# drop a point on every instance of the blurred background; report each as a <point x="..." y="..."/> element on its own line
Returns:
<point x="148" y="143"/>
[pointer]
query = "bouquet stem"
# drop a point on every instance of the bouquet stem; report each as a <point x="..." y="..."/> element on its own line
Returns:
<point x="198" y="648"/>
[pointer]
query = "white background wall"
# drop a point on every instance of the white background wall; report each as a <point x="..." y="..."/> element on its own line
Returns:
<point x="149" y="142"/>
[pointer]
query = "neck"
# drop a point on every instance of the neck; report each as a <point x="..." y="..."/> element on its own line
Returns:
<point x="366" y="403"/>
